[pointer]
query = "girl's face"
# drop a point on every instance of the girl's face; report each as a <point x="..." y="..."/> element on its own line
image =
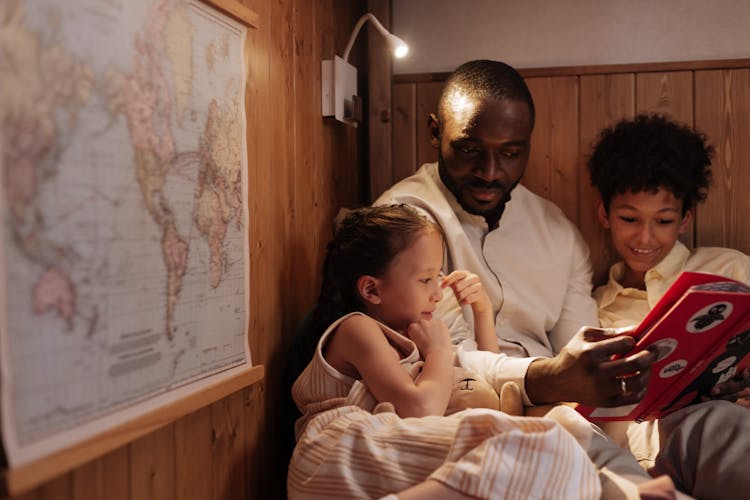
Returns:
<point x="410" y="288"/>
<point x="644" y="228"/>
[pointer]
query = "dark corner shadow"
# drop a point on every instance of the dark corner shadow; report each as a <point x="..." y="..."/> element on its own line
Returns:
<point x="267" y="462"/>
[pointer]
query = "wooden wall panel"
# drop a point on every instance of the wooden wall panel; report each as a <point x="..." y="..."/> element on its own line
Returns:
<point x="722" y="110"/>
<point x="152" y="466"/>
<point x="194" y="478"/>
<point x="404" y="130"/>
<point x="670" y="94"/>
<point x="667" y="93"/>
<point x="379" y="123"/>
<point x="427" y="98"/>
<point x="605" y="99"/>
<point x="553" y="170"/>
<point x="574" y="104"/>
<point x="227" y="470"/>
<point x="302" y="169"/>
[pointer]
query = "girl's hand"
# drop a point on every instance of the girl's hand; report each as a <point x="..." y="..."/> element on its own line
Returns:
<point x="429" y="336"/>
<point x="469" y="290"/>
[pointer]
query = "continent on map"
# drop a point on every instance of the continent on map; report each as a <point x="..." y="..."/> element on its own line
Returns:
<point x="148" y="107"/>
<point x="54" y="290"/>
<point x="219" y="192"/>
<point x="42" y="83"/>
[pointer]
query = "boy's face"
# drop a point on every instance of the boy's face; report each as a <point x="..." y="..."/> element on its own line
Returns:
<point x="644" y="227"/>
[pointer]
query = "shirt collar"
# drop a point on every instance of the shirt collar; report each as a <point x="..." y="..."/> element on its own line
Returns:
<point x="669" y="266"/>
<point x="613" y="287"/>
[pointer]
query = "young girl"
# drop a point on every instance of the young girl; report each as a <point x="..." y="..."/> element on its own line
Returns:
<point x="386" y="360"/>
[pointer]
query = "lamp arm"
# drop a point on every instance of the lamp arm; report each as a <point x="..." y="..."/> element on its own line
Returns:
<point x="358" y="26"/>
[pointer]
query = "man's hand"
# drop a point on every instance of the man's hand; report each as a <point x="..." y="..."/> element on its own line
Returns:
<point x="584" y="372"/>
<point x="735" y="389"/>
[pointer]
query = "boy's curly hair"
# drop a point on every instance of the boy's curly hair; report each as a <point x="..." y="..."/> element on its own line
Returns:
<point x="649" y="152"/>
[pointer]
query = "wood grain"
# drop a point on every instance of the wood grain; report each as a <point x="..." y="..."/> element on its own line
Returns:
<point x="379" y="122"/>
<point x="404" y="131"/>
<point x="605" y="99"/>
<point x="669" y="94"/>
<point x="553" y="171"/>
<point x="722" y="111"/>
<point x="427" y="101"/>
<point x="29" y="475"/>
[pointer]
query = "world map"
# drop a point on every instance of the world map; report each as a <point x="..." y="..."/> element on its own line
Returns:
<point x="123" y="166"/>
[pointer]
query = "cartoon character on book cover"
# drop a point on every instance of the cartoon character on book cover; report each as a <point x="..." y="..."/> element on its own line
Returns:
<point x="722" y="368"/>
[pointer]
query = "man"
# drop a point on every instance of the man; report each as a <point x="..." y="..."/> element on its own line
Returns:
<point x="531" y="259"/>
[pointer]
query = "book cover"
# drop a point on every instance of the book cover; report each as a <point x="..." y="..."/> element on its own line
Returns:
<point x="700" y="330"/>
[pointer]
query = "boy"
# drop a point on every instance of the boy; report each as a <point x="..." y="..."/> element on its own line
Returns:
<point x="650" y="173"/>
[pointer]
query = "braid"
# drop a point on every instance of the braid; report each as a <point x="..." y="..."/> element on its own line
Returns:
<point x="330" y="302"/>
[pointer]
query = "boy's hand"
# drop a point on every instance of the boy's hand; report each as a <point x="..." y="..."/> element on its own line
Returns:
<point x="468" y="289"/>
<point x="735" y="389"/>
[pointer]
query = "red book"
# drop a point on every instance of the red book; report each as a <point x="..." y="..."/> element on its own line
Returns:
<point x="701" y="331"/>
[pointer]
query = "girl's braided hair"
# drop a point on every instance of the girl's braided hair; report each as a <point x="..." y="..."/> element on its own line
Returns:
<point x="365" y="243"/>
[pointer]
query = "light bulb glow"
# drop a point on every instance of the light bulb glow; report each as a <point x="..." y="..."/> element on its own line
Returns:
<point x="397" y="46"/>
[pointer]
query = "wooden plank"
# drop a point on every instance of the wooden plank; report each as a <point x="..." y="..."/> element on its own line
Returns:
<point x="115" y="471"/>
<point x="604" y="100"/>
<point x="152" y="471"/>
<point x="280" y="219"/>
<point x="227" y="418"/>
<point x="253" y="399"/>
<point x="28" y="476"/>
<point x="323" y="182"/>
<point x="104" y="479"/>
<point x="264" y="196"/>
<point x="59" y="488"/>
<point x="257" y="110"/>
<point x="348" y="183"/>
<point x="379" y="76"/>
<point x="307" y="159"/>
<point x="670" y="94"/>
<point x="236" y="11"/>
<point x="722" y="111"/>
<point x="553" y="170"/>
<point x="87" y="481"/>
<point x="404" y="130"/>
<point x="427" y="102"/>
<point x="194" y="456"/>
<point x="601" y="69"/>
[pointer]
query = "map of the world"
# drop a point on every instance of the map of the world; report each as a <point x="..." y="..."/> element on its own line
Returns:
<point x="124" y="245"/>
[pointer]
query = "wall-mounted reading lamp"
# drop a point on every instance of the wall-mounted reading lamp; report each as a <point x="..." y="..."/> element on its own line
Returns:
<point x="339" y="92"/>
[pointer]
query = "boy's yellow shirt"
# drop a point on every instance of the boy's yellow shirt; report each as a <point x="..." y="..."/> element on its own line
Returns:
<point x="619" y="306"/>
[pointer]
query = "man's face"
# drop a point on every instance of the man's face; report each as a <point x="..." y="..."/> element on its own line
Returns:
<point x="484" y="146"/>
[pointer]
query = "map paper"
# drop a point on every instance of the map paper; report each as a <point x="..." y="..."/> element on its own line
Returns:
<point x="124" y="252"/>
